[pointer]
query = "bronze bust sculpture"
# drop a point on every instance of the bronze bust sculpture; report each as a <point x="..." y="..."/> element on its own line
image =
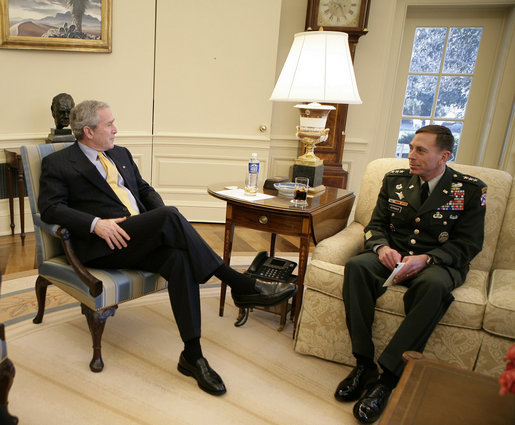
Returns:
<point x="61" y="107"/>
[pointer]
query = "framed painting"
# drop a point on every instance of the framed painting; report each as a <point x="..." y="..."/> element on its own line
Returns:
<point x="76" y="25"/>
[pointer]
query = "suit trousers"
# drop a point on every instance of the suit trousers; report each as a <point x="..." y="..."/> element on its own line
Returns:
<point x="163" y="241"/>
<point x="425" y="302"/>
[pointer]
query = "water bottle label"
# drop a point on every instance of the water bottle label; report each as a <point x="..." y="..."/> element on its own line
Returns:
<point x="254" y="167"/>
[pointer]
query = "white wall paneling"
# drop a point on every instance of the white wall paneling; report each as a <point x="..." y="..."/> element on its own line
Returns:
<point x="184" y="167"/>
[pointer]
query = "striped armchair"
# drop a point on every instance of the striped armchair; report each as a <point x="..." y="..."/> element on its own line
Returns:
<point x="98" y="290"/>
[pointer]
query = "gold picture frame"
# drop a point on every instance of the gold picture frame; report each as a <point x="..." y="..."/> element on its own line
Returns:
<point x="22" y="28"/>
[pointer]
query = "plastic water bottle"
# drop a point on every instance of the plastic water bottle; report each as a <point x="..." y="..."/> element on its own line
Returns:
<point x="251" y="184"/>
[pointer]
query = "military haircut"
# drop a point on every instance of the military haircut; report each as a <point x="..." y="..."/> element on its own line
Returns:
<point x="444" y="137"/>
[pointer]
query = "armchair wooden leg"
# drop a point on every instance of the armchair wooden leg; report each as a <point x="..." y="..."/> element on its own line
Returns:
<point x="7" y="372"/>
<point x="96" y="322"/>
<point x="41" y="286"/>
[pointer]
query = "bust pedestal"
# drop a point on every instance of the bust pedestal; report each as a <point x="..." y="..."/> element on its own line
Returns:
<point x="60" y="135"/>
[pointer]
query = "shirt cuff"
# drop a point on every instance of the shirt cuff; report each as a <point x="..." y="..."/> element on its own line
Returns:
<point x="93" y="224"/>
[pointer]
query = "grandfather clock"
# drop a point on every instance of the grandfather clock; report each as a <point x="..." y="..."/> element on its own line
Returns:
<point x="350" y="16"/>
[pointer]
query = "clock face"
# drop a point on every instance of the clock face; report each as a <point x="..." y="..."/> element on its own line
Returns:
<point x="339" y="13"/>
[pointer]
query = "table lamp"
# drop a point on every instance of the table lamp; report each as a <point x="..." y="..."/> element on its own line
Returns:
<point x="318" y="69"/>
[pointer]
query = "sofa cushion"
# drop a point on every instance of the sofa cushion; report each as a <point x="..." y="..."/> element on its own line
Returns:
<point x="467" y="310"/>
<point x="504" y="253"/>
<point x="500" y="309"/>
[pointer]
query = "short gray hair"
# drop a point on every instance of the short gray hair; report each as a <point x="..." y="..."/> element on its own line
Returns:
<point x="85" y="114"/>
<point x="444" y="137"/>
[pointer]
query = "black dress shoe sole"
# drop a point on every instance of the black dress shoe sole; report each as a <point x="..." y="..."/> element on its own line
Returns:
<point x="259" y="300"/>
<point x="189" y="372"/>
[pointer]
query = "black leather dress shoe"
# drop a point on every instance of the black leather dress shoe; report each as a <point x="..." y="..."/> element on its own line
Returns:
<point x="267" y="294"/>
<point x="371" y="405"/>
<point x="352" y="387"/>
<point x="207" y="379"/>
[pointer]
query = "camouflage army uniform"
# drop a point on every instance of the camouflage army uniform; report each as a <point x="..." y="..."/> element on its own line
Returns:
<point x="448" y="226"/>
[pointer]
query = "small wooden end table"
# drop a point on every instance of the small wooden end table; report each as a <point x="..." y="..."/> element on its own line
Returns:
<point x="432" y="392"/>
<point x="14" y="161"/>
<point x="326" y="214"/>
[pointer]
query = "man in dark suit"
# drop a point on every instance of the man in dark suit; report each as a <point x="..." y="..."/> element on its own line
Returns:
<point x="117" y="220"/>
<point x="435" y="234"/>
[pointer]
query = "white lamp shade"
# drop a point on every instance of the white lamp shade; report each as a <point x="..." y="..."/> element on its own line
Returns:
<point x="318" y="69"/>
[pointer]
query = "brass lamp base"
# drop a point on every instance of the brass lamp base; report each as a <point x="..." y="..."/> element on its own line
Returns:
<point x="309" y="140"/>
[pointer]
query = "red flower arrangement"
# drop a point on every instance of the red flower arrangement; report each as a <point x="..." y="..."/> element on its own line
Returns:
<point x="507" y="379"/>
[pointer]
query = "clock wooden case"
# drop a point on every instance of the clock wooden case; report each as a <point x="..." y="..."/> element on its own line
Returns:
<point x="350" y="16"/>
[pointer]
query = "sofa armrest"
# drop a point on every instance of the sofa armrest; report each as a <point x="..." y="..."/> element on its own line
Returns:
<point x="325" y="277"/>
<point x="340" y="247"/>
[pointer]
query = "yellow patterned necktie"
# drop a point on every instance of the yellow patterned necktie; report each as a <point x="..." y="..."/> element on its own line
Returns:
<point x="112" y="180"/>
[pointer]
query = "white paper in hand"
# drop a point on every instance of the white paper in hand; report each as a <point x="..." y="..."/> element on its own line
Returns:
<point x="389" y="281"/>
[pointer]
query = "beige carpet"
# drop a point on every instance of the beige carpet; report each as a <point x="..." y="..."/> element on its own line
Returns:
<point x="267" y="382"/>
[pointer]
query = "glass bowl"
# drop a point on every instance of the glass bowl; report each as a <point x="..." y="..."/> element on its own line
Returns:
<point x="285" y="190"/>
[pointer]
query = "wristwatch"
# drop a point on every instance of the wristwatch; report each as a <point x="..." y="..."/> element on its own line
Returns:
<point x="430" y="260"/>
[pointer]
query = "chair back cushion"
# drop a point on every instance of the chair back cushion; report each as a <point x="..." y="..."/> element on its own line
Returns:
<point x="499" y="186"/>
<point x="48" y="246"/>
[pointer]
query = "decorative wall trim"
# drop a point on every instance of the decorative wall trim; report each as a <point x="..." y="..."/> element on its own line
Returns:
<point x="207" y="136"/>
<point x="355" y="145"/>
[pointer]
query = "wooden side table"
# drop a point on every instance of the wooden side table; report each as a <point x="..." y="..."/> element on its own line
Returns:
<point x="326" y="214"/>
<point x="13" y="159"/>
<point x="432" y="392"/>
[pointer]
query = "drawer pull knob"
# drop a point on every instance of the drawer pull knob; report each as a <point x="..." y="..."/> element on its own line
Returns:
<point x="263" y="219"/>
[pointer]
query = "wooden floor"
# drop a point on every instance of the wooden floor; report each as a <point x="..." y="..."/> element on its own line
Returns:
<point x="15" y="258"/>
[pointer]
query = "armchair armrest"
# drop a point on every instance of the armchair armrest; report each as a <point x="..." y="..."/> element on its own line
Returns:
<point x="340" y="247"/>
<point x="94" y="284"/>
<point x="49" y="228"/>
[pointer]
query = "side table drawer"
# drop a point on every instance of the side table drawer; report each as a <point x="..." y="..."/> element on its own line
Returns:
<point x="268" y="221"/>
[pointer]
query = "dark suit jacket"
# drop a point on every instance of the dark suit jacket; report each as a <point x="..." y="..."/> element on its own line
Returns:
<point x="449" y="226"/>
<point x="72" y="193"/>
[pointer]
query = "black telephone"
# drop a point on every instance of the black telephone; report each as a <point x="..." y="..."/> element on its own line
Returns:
<point x="271" y="268"/>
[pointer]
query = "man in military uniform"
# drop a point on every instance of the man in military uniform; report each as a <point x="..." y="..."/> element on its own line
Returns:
<point x="435" y="234"/>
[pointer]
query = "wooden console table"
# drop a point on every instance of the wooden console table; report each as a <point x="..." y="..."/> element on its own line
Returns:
<point x="13" y="159"/>
<point x="326" y="214"/>
<point x="431" y="392"/>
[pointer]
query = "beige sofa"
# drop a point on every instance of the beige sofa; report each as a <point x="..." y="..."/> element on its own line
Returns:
<point x="479" y="326"/>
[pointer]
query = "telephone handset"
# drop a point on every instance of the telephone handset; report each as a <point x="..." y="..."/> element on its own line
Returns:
<point x="271" y="268"/>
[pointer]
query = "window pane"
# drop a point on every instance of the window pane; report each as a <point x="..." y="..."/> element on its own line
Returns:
<point x="426" y="55"/>
<point x="406" y="133"/>
<point x="420" y="93"/>
<point x="452" y="97"/>
<point x="462" y="48"/>
<point x="455" y="127"/>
